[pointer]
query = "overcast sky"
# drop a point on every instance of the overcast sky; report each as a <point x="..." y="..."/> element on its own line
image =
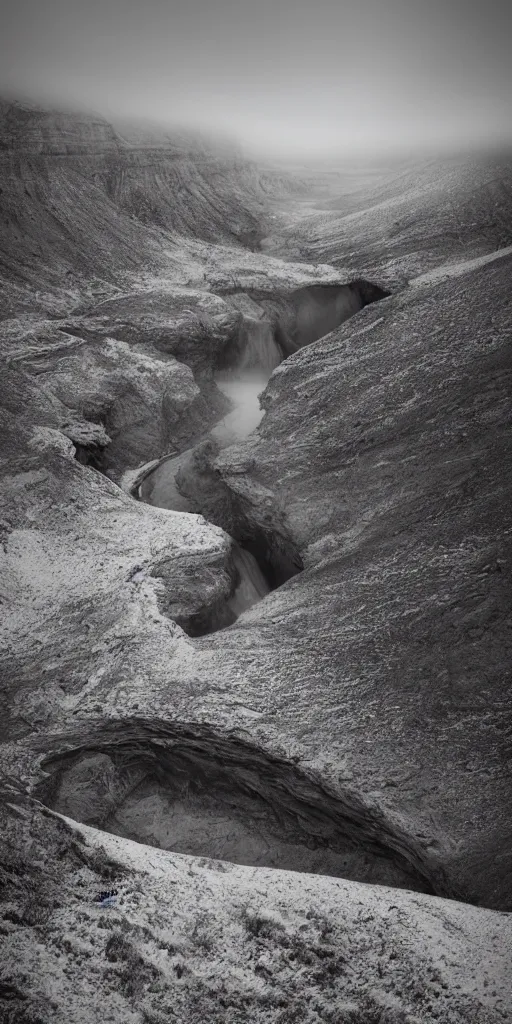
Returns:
<point x="289" y="77"/>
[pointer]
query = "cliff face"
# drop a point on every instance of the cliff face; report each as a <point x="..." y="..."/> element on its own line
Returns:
<point x="79" y="201"/>
<point x="30" y="130"/>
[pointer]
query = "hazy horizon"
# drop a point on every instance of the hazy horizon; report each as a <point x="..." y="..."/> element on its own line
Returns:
<point x="291" y="81"/>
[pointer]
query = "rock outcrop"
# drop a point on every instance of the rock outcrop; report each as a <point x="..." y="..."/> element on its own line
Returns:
<point x="199" y="940"/>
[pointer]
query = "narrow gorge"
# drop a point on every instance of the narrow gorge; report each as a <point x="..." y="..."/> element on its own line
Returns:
<point x="186" y="481"/>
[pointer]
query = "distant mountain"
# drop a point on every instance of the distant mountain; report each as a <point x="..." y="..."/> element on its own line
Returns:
<point x="404" y="219"/>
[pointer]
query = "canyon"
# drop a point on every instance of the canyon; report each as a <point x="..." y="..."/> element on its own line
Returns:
<point x="255" y="541"/>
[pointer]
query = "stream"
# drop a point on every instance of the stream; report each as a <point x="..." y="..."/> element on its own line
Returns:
<point x="312" y="312"/>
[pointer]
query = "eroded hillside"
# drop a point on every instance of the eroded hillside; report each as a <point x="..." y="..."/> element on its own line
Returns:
<point x="349" y="728"/>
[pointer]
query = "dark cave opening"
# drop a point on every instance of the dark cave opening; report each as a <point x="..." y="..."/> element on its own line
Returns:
<point x="192" y="790"/>
<point x="277" y="563"/>
<point x="90" y="456"/>
<point x="320" y="309"/>
<point x="292" y="320"/>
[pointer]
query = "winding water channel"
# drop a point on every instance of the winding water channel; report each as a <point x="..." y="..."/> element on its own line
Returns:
<point x="262" y="345"/>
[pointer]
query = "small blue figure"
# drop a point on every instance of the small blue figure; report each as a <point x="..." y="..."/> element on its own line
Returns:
<point x="107" y="899"/>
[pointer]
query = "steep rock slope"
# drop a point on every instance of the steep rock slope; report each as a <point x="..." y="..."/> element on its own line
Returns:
<point x="82" y="205"/>
<point x="395" y="490"/>
<point x="196" y="940"/>
<point x="402" y="221"/>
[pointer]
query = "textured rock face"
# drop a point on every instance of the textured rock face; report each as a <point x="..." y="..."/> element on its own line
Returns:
<point x="138" y="399"/>
<point x="120" y="404"/>
<point x="402" y="221"/>
<point x="160" y="567"/>
<point x="395" y="491"/>
<point x="351" y="723"/>
<point x="193" y="326"/>
<point x="202" y="940"/>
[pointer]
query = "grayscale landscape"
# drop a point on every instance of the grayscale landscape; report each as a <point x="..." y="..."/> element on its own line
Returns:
<point x="255" y="534"/>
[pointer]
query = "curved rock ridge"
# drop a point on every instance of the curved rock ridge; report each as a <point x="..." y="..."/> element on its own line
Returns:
<point x="201" y="940"/>
<point x="191" y="790"/>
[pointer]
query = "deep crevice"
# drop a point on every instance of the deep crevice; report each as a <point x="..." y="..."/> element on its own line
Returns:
<point x="250" y="585"/>
<point x="296" y="319"/>
<point x="90" y="456"/>
<point x="275" y="328"/>
<point x="276" y="568"/>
